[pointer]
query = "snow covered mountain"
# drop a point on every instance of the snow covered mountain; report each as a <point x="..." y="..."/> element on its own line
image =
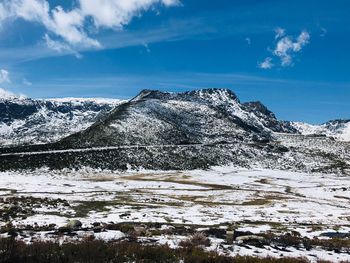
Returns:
<point x="29" y="121"/>
<point x="195" y="117"/>
<point x="152" y="117"/>
<point x="337" y="129"/>
<point x="161" y="130"/>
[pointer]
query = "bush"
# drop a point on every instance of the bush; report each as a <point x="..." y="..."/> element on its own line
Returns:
<point x="97" y="251"/>
<point x="197" y="239"/>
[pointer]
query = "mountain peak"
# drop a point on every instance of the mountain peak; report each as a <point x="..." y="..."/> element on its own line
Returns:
<point x="211" y="93"/>
<point x="150" y="94"/>
<point x="214" y="93"/>
<point x="337" y="122"/>
<point x="258" y="106"/>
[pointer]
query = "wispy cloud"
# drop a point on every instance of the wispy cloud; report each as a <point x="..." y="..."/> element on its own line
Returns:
<point x="280" y="32"/>
<point x="202" y="27"/>
<point x="26" y="82"/>
<point x="286" y="48"/>
<point x="59" y="46"/>
<point x="148" y="50"/>
<point x="323" y="32"/>
<point x="169" y="31"/>
<point x="71" y="26"/>
<point x="4" y="76"/>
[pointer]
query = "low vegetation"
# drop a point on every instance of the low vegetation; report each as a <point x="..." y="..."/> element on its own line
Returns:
<point x="96" y="251"/>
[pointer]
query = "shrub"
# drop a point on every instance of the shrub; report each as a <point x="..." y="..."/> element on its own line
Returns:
<point x="197" y="239"/>
<point x="98" y="251"/>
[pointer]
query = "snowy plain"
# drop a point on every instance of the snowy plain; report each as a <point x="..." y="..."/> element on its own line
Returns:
<point x="255" y="200"/>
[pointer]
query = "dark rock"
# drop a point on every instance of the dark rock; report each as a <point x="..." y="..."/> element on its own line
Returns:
<point x="74" y="224"/>
<point x="12" y="233"/>
<point x="335" y="235"/>
<point x="98" y="229"/>
<point x="64" y="229"/>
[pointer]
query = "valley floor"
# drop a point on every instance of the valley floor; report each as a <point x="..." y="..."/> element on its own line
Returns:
<point x="167" y="207"/>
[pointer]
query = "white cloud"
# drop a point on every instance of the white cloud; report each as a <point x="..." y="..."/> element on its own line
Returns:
<point x="66" y="24"/>
<point x="286" y="48"/>
<point x="70" y="25"/>
<point x="282" y="50"/>
<point x="117" y="13"/>
<point x="266" y="64"/>
<point x="280" y="32"/>
<point x="30" y="10"/>
<point x="302" y="40"/>
<point x="171" y="2"/>
<point x="3" y="14"/>
<point x="4" y="76"/>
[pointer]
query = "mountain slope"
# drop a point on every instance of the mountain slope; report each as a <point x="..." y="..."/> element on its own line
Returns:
<point x="27" y="121"/>
<point x="152" y="117"/>
<point x="160" y="118"/>
<point x="189" y="130"/>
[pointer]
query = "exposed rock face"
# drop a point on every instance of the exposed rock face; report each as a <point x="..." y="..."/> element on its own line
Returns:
<point x="268" y="118"/>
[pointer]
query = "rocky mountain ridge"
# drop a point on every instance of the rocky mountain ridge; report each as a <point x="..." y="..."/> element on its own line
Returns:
<point x="28" y="121"/>
<point x="171" y="131"/>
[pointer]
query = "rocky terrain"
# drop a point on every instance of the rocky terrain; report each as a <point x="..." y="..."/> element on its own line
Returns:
<point x="171" y="131"/>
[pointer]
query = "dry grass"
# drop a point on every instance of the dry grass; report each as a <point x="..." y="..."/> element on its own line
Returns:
<point x="96" y="251"/>
<point x="175" y="180"/>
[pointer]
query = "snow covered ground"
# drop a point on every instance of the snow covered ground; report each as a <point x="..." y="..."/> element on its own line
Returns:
<point x="253" y="200"/>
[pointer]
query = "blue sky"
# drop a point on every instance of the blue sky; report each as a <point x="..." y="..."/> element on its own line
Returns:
<point x="293" y="56"/>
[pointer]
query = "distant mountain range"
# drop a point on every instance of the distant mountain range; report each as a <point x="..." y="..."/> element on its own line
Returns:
<point x="152" y="117"/>
<point x="337" y="129"/>
<point x="161" y="130"/>
<point x="28" y="121"/>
